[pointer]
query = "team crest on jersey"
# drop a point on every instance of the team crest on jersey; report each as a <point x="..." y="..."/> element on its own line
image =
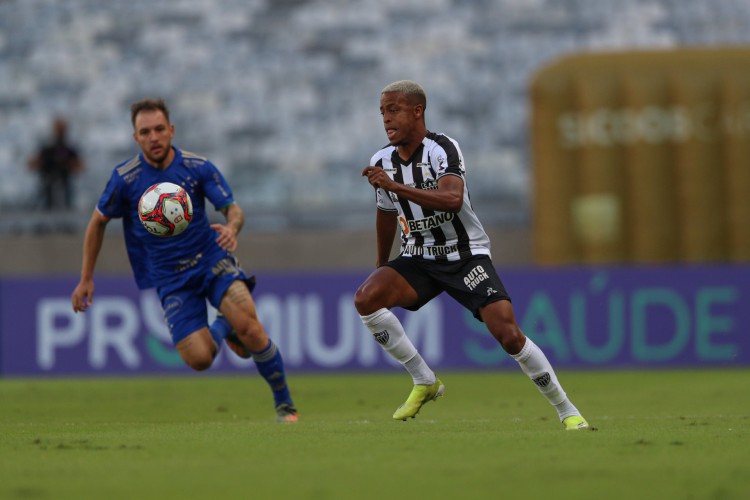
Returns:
<point x="427" y="173"/>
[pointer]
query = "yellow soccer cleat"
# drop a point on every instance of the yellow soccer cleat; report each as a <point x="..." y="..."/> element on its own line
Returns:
<point x="574" y="423"/>
<point x="420" y="394"/>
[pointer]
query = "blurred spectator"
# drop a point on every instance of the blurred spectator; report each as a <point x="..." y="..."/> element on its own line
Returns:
<point x="56" y="162"/>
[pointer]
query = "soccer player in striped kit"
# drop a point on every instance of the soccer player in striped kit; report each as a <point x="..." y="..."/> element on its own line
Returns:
<point x="420" y="185"/>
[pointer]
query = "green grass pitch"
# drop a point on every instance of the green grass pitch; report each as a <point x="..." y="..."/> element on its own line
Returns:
<point x="659" y="434"/>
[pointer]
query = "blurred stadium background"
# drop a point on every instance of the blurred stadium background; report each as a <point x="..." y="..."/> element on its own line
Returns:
<point x="608" y="149"/>
<point x="602" y="132"/>
<point x="282" y="95"/>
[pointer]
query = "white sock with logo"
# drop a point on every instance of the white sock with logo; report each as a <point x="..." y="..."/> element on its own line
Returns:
<point x="388" y="332"/>
<point x="534" y="363"/>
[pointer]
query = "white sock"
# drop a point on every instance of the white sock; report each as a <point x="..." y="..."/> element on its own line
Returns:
<point x="534" y="363"/>
<point x="388" y="332"/>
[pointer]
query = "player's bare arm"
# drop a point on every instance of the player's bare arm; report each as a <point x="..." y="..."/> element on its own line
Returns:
<point x="83" y="294"/>
<point x="448" y="197"/>
<point x="386" y="224"/>
<point x="228" y="231"/>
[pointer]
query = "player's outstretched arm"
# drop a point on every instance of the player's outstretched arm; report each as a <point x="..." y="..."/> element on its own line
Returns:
<point x="83" y="294"/>
<point x="228" y="232"/>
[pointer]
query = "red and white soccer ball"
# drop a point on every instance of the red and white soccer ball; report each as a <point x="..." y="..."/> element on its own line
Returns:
<point x="165" y="209"/>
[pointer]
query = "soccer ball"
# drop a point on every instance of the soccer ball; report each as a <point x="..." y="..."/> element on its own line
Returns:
<point x="165" y="209"/>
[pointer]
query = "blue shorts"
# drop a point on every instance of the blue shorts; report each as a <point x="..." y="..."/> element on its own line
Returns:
<point x="183" y="299"/>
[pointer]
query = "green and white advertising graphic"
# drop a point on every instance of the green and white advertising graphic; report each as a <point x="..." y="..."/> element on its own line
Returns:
<point x="589" y="318"/>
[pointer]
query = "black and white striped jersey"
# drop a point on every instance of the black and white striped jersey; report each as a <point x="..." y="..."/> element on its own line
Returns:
<point x="429" y="234"/>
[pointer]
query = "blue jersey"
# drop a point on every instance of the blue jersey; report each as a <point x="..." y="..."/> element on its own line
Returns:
<point x="156" y="260"/>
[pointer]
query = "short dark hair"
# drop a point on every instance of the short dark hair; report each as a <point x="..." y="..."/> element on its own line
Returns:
<point x="148" y="104"/>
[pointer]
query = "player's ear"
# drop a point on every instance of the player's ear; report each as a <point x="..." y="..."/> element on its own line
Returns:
<point x="418" y="111"/>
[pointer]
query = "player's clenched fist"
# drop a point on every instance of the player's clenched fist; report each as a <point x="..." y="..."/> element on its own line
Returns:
<point x="377" y="177"/>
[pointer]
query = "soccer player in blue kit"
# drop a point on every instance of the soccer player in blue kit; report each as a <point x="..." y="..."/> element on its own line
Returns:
<point x="420" y="185"/>
<point x="189" y="268"/>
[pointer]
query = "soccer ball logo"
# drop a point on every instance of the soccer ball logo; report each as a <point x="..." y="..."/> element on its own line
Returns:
<point x="165" y="209"/>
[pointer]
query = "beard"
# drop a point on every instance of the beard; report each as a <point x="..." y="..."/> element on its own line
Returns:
<point x="159" y="158"/>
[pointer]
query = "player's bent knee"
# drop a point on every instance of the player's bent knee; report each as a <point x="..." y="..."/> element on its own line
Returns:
<point x="365" y="301"/>
<point x="360" y="301"/>
<point x="511" y="338"/>
<point x="198" y="360"/>
<point x="252" y="330"/>
<point x="200" y="363"/>
<point x="253" y="336"/>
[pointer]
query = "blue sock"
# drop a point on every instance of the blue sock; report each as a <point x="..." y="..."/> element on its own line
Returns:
<point x="219" y="329"/>
<point x="271" y="367"/>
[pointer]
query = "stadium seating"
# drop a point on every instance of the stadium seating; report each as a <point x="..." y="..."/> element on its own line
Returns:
<point x="283" y="95"/>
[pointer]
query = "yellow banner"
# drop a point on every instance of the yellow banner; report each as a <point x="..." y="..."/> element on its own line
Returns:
<point x="642" y="157"/>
